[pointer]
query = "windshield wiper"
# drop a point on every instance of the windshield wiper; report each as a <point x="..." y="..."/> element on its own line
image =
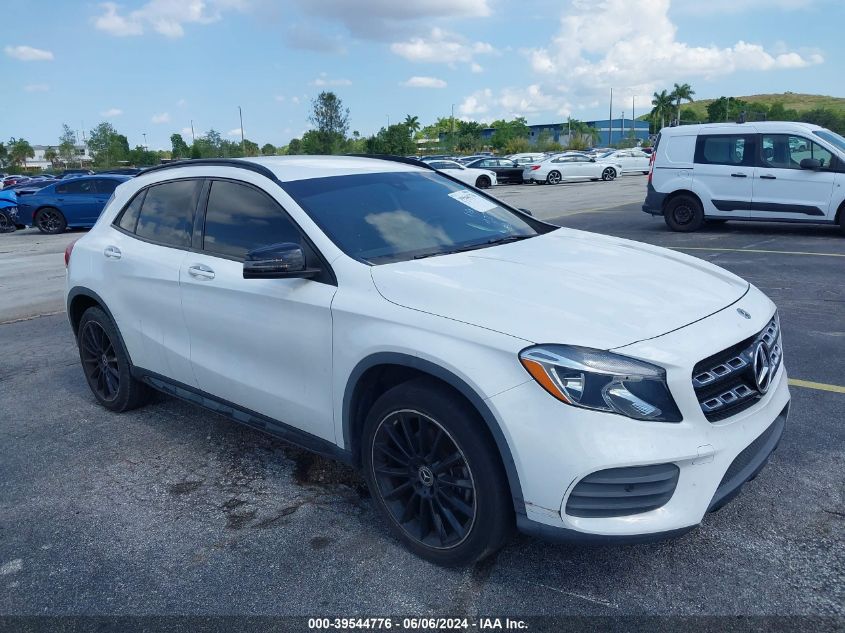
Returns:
<point x="476" y="246"/>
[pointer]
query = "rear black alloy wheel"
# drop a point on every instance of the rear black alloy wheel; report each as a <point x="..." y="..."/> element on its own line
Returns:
<point x="424" y="479"/>
<point x="50" y="221"/>
<point x="553" y="178"/>
<point x="483" y="182"/>
<point x="99" y="361"/>
<point x="608" y="174"/>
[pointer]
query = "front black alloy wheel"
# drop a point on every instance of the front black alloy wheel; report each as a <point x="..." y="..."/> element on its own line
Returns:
<point x="435" y="473"/>
<point x="424" y="479"/>
<point x="106" y="365"/>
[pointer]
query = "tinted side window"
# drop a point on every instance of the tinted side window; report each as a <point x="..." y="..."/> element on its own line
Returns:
<point x="167" y="213"/>
<point x="76" y="186"/>
<point x="728" y="149"/>
<point x="107" y="185"/>
<point x="780" y="151"/>
<point x="240" y="219"/>
<point x="129" y="218"/>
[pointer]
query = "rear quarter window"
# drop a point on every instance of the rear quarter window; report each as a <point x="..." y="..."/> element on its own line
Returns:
<point x="677" y="150"/>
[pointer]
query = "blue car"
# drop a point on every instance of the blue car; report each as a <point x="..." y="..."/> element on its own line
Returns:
<point x="75" y="203"/>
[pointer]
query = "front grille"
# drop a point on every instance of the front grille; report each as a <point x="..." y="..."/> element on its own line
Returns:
<point x="617" y="492"/>
<point x="725" y="383"/>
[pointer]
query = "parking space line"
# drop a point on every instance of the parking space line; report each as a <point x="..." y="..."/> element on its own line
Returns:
<point x="752" y="250"/>
<point x="794" y="382"/>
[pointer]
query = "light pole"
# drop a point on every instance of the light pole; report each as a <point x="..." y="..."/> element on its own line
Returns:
<point x="146" y="147"/>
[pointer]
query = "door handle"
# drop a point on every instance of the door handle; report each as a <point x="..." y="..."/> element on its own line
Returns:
<point x="112" y="252"/>
<point x="739" y="175"/>
<point x="201" y="271"/>
<point x="768" y="177"/>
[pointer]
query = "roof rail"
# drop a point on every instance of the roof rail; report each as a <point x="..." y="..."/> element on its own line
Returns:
<point x="396" y="159"/>
<point x="214" y="162"/>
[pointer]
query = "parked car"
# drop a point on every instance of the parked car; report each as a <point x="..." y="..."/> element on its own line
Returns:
<point x="71" y="202"/>
<point x="126" y="171"/>
<point x="481" y="178"/>
<point x="75" y="172"/>
<point x="633" y="161"/>
<point x="483" y="368"/>
<point x="13" y="179"/>
<point x="9" y="220"/>
<point x="525" y="158"/>
<point x="506" y="170"/>
<point x="769" y="171"/>
<point x="28" y="187"/>
<point x="556" y="169"/>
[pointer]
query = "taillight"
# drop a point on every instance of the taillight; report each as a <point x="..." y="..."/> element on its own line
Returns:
<point x="651" y="166"/>
<point x="533" y="167"/>
<point x="68" y="251"/>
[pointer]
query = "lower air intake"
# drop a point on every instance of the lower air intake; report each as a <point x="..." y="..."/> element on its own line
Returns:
<point x="617" y="492"/>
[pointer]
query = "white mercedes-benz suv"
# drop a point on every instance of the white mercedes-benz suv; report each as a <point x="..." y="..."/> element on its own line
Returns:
<point x="483" y="368"/>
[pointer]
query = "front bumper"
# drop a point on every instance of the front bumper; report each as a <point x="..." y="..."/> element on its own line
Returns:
<point x="555" y="446"/>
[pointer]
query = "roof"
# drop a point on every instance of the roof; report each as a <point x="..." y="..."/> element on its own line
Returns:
<point x="752" y="127"/>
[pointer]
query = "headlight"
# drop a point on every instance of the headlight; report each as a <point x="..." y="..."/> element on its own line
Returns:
<point x="602" y="381"/>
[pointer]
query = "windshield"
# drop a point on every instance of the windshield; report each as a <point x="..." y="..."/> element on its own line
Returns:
<point x="833" y="138"/>
<point x="388" y="217"/>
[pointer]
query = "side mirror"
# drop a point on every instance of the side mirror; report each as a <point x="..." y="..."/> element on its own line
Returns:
<point x="526" y="212"/>
<point x="810" y="163"/>
<point x="277" y="261"/>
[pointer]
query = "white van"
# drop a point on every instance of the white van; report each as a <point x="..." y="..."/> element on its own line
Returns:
<point x="770" y="171"/>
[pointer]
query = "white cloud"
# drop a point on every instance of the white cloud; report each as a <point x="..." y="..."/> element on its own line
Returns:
<point x="280" y="98"/>
<point x="186" y="132"/>
<point x="323" y="80"/>
<point x="477" y="103"/>
<point x="294" y="100"/>
<point x="476" y="68"/>
<point x="36" y="88"/>
<point x="236" y="132"/>
<point x="111" y="112"/>
<point x="28" y="53"/>
<point x="165" y="17"/>
<point x="511" y="102"/>
<point x="164" y="117"/>
<point x="380" y="19"/>
<point x="424" y="82"/>
<point x="441" y="47"/>
<point x="182" y="103"/>
<point x="721" y="7"/>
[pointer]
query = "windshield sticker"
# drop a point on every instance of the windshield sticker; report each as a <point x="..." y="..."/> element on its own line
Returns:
<point x="473" y="200"/>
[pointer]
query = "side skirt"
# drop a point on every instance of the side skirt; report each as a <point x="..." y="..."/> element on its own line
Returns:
<point x="241" y="415"/>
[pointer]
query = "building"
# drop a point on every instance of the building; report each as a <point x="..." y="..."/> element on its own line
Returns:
<point x="611" y="132"/>
<point x="82" y="157"/>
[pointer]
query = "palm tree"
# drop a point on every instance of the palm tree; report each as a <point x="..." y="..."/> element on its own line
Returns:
<point x="682" y="92"/>
<point x="412" y="123"/>
<point x="662" y="103"/>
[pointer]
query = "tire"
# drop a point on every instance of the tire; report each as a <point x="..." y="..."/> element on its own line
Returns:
<point x="842" y="219"/>
<point x="50" y="220"/>
<point x="608" y="174"/>
<point x="684" y="214"/>
<point x="105" y="363"/>
<point x="6" y="224"/>
<point x="553" y="178"/>
<point x="435" y="475"/>
<point x="483" y="182"/>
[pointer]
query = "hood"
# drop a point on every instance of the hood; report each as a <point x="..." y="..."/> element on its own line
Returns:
<point x="566" y="286"/>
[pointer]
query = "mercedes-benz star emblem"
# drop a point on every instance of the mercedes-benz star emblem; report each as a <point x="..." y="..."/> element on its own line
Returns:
<point x="426" y="476"/>
<point x="743" y="313"/>
<point x="762" y="367"/>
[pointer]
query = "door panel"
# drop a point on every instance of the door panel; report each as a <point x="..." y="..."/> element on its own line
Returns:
<point x="782" y="189"/>
<point x="724" y="173"/>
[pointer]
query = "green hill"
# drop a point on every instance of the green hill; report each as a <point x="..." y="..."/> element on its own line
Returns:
<point x="789" y="100"/>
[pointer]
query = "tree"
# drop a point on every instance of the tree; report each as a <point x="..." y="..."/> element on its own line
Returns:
<point x="250" y="148"/>
<point x="506" y="132"/>
<point x="50" y="154"/>
<point x="294" y="147"/>
<point x="211" y="145"/>
<point x="412" y="123"/>
<point x="268" y="149"/>
<point x="19" y="151"/>
<point x="179" y="148"/>
<point x="725" y="109"/>
<point x="108" y="146"/>
<point x="662" y="103"/>
<point x="142" y="157"/>
<point x="681" y="92"/>
<point x="67" y="144"/>
<point x="395" y="140"/>
<point x="331" y="123"/>
<point x="4" y="155"/>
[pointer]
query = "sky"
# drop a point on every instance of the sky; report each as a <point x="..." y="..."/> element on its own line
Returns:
<point x="153" y="66"/>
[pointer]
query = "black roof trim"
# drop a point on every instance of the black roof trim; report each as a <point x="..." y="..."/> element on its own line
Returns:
<point x="215" y="162"/>
<point x="396" y="159"/>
